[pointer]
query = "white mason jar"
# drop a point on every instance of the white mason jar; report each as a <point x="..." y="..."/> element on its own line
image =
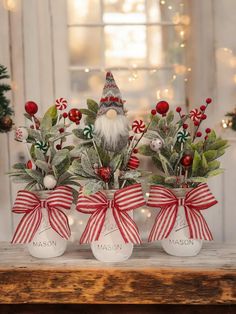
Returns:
<point x="111" y="246"/>
<point x="46" y="243"/>
<point x="178" y="242"/>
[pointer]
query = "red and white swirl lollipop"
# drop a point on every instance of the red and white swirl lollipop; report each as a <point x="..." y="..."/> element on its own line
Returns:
<point x="195" y="115"/>
<point x="138" y="126"/>
<point x="61" y="104"/>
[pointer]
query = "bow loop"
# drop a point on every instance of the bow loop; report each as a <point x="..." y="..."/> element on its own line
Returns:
<point x="195" y="200"/>
<point x="30" y="205"/>
<point x="97" y="205"/>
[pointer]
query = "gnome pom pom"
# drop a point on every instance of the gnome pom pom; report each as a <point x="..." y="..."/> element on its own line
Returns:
<point x="49" y="181"/>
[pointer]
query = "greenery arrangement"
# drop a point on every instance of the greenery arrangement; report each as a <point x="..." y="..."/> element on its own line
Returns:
<point x="5" y="109"/>
<point x="182" y="159"/>
<point x="101" y="167"/>
<point x="49" y="158"/>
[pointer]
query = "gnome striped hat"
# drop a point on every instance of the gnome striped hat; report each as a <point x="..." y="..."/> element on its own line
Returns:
<point x="111" y="97"/>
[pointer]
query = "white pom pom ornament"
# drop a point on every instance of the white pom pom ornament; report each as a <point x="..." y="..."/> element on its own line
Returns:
<point x="156" y="144"/>
<point x="21" y="134"/>
<point x="49" y="181"/>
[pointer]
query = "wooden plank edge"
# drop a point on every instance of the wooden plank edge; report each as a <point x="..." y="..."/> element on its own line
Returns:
<point x="144" y="286"/>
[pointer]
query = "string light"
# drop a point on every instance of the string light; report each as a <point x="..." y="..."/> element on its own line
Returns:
<point x="86" y="70"/>
<point x="163" y="2"/>
<point x="9" y="5"/>
<point x="170" y="7"/>
<point x="225" y="123"/>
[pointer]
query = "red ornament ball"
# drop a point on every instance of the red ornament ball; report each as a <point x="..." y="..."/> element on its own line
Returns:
<point x="178" y="109"/>
<point x="31" y="108"/>
<point x="186" y="160"/>
<point x="75" y="115"/>
<point x="204" y="116"/>
<point x="185" y="126"/>
<point x="208" y="130"/>
<point x="133" y="163"/>
<point x="65" y="115"/>
<point x="208" y="100"/>
<point x="153" y="112"/>
<point x="162" y="107"/>
<point x="104" y="173"/>
<point x="203" y="108"/>
<point x="198" y="134"/>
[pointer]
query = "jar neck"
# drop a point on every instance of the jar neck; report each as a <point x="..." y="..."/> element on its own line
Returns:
<point x="109" y="193"/>
<point x="43" y="194"/>
<point x="181" y="192"/>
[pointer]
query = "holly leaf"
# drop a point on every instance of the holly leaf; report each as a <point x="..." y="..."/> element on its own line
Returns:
<point x="212" y="165"/>
<point x="131" y="174"/>
<point x="215" y="172"/>
<point x="196" y="163"/>
<point x="35" y="174"/>
<point x="79" y="133"/>
<point x="157" y="179"/>
<point x="92" y="105"/>
<point x="210" y="155"/>
<point x="42" y="165"/>
<point x="170" y="117"/>
<point x="92" y="187"/>
<point x="146" y="150"/>
<point x="197" y="179"/>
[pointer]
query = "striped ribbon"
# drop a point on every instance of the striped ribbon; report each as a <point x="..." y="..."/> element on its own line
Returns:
<point x="30" y="205"/>
<point x="197" y="199"/>
<point x="96" y="205"/>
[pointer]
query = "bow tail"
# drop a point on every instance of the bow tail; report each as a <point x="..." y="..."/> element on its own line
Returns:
<point x="198" y="228"/>
<point x="127" y="227"/>
<point x="164" y="223"/>
<point x="94" y="227"/>
<point x="27" y="227"/>
<point x="59" y="222"/>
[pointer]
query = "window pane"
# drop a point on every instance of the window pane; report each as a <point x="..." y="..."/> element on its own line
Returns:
<point x="166" y="45"/>
<point x="85" y="46"/>
<point x="125" y="45"/>
<point x="172" y="11"/>
<point x="83" y="11"/>
<point x="124" y="11"/>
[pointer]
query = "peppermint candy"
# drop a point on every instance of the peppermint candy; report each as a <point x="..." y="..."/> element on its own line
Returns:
<point x="61" y="104"/>
<point x="195" y="115"/>
<point x="43" y="146"/>
<point x="182" y="136"/>
<point x="138" y="126"/>
<point x="21" y="134"/>
<point x="88" y="131"/>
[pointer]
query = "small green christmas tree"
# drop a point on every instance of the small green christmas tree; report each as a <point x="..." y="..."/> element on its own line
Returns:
<point x="5" y="109"/>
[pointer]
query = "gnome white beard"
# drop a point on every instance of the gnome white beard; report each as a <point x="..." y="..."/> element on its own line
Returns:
<point x="114" y="132"/>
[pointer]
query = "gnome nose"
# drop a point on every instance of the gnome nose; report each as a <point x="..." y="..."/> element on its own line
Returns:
<point x="111" y="114"/>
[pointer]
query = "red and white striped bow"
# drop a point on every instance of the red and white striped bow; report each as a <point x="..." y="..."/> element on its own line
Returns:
<point x="195" y="200"/>
<point x="125" y="199"/>
<point x="30" y="205"/>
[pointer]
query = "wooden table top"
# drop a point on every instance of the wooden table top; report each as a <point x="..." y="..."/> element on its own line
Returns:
<point x="149" y="276"/>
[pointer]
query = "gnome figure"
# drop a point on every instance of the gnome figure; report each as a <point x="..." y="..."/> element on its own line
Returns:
<point x="111" y="123"/>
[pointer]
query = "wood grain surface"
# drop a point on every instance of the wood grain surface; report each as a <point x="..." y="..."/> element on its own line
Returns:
<point x="150" y="276"/>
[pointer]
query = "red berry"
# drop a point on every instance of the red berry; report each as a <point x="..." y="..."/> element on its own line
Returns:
<point x="203" y="107"/>
<point x="206" y="137"/>
<point x="178" y="109"/>
<point x="153" y="112"/>
<point x="186" y="160"/>
<point x="162" y="107"/>
<point x="196" y="123"/>
<point x="75" y="115"/>
<point x="130" y="138"/>
<point x="185" y="125"/>
<point x="61" y="130"/>
<point x="31" y="108"/>
<point x="104" y="173"/>
<point x="199" y="134"/>
<point x="65" y="115"/>
<point x="208" y="130"/>
<point x="58" y="146"/>
<point x="208" y="100"/>
<point x="204" y="116"/>
<point x="182" y="116"/>
<point x="135" y="150"/>
<point x="77" y="122"/>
